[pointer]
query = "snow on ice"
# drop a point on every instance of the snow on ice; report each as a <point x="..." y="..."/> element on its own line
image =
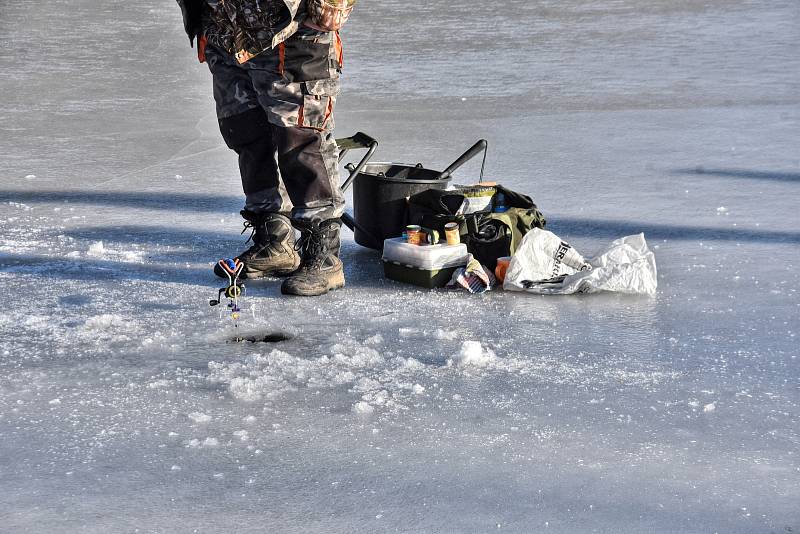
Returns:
<point x="385" y="407"/>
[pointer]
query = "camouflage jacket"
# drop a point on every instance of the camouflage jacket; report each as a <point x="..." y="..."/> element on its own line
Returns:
<point x="242" y="27"/>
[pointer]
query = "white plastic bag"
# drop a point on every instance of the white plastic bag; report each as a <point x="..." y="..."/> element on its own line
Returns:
<point x="544" y="264"/>
<point x="540" y="256"/>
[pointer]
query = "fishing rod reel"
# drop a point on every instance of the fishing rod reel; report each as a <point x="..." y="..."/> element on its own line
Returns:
<point x="233" y="269"/>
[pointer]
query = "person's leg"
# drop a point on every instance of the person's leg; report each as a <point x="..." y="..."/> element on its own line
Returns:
<point x="310" y="158"/>
<point x="246" y="130"/>
<point x="299" y="105"/>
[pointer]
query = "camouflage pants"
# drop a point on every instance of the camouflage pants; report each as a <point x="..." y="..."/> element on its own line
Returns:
<point x="276" y="112"/>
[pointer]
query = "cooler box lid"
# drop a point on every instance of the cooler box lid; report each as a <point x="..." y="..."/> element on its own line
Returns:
<point x="429" y="257"/>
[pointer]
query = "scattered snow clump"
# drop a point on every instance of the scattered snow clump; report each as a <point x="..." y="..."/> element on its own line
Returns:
<point x="103" y="322"/>
<point x="363" y="408"/>
<point x="208" y="443"/>
<point x="97" y="249"/>
<point x="199" y="417"/>
<point x="377" y="339"/>
<point x="39" y="322"/>
<point x="472" y="354"/>
<point x="447" y="335"/>
<point x="407" y="332"/>
<point x="412" y="363"/>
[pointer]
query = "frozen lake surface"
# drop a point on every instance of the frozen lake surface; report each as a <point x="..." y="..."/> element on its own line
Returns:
<point x="391" y="408"/>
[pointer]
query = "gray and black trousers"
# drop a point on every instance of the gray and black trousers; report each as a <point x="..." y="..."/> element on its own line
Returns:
<point x="276" y="112"/>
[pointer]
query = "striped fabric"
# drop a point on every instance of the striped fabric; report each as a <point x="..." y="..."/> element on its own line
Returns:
<point x="473" y="277"/>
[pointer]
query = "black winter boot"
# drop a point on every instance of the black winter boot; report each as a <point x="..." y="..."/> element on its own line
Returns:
<point x="321" y="269"/>
<point x="273" y="252"/>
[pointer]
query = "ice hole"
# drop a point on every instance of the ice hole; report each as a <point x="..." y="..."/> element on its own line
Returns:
<point x="261" y="337"/>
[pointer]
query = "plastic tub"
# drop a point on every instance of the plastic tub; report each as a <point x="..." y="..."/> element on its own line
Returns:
<point x="422" y="265"/>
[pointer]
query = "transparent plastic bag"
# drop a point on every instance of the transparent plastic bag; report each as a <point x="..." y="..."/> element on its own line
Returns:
<point x="545" y="264"/>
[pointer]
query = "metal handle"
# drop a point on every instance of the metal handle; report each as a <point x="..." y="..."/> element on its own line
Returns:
<point x="359" y="140"/>
<point x="345" y="144"/>
<point x="351" y="223"/>
<point x="481" y="145"/>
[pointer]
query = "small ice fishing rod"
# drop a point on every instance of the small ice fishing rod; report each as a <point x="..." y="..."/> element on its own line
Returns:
<point x="233" y="269"/>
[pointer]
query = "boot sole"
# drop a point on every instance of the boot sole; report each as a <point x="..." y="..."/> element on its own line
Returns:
<point x="336" y="283"/>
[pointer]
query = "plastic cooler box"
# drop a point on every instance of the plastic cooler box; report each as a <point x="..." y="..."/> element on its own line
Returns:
<point x="422" y="265"/>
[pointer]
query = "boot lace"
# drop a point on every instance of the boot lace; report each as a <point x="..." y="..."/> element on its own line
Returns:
<point x="256" y="249"/>
<point x="312" y="249"/>
<point x="249" y="226"/>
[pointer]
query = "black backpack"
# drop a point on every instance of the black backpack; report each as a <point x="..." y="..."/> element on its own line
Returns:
<point x="488" y="236"/>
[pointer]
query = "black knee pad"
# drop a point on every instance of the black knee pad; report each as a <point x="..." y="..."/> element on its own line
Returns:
<point x="245" y="128"/>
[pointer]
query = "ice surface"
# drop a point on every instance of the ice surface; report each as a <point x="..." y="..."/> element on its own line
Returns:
<point x="391" y="408"/>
